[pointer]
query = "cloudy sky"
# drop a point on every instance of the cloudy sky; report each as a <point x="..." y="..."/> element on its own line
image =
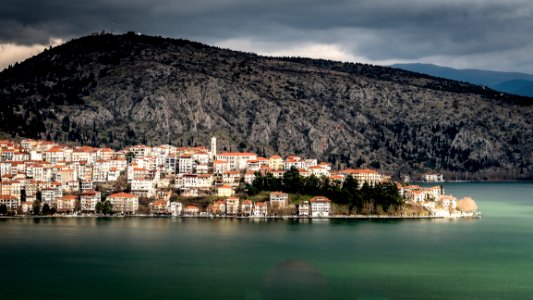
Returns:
<point x="486" y="34"/>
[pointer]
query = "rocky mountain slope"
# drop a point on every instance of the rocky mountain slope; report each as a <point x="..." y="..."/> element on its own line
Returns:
<point x="119" y="90"/>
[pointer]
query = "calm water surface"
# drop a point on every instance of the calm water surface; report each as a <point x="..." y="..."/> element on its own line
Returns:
<point x="162" y="258"/>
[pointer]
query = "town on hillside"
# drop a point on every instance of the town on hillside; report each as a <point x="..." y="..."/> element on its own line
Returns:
<point x="46" y="178"/>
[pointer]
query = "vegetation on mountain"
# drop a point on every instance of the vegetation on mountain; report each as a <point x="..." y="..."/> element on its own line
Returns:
<point x="119" y="90"/>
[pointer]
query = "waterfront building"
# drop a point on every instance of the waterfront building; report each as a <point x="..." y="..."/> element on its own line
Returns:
<point x="191" y="210"/>
<point x="279" y="199"/>
<point x="247" y="207"/>
<point x="260" y="209"/>
<point x="11" y="202"/>
<point x="232" y="205"/>
<point x="66" y="203"/>
<point x="176" y="208"/>
<point x="320" y="207"/>
<point x="89" y="199"/>
<point x="447" y="201"/>
<point x="161" y="206"/>
<point x="433" y="177"/>
<point x="218" y="208"/>
<point x="304" y="209"/>
<point x="124" y="202"/>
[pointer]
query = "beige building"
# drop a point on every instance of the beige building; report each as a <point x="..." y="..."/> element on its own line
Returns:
<point x="124" y="202"/>
<point x="279" y="199"/>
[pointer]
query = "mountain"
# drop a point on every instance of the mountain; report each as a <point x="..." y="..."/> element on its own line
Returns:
<point x="118" y="90"/>
<point x="508" y="82"/>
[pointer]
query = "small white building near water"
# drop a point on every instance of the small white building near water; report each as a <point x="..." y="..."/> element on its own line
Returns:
<point x="303" y="209"/>
<point x="320" y="207"/>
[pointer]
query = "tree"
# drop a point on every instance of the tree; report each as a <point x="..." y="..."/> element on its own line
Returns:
<point x="130" y="156"/>
<point x="3" y="209"/>
<point x="46" y="209"/>
<point x="36" y="207"/>
<point x="108" y="208"/>
<point x="104" y="207"/>
<point x="23" y="195"/>
<point x="467" y="204"/>
<point x="311" y="185"/>
<point x="77" y="204"/>
<point x="292" y="181"/>
<point x="99" y="207"/>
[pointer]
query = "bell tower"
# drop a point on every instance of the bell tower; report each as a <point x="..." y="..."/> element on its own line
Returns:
<point x="213" y="148"/>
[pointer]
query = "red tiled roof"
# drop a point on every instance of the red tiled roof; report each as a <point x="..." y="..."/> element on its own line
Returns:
<point x="122" y="195"/>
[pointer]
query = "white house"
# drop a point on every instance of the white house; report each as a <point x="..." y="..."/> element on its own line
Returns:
<point x="175" y="208"/>
<point x="303" y="209"/>
<point x="89" y="199"/>
<point x="320" y="206"/>
<point x="237" y="160"/>
<point x="232" y="205"/>
<point x="279" y="199"/>
<point x="247" y="207"/>
<point x="12" y="203"/>
<point x="260" y="209"/>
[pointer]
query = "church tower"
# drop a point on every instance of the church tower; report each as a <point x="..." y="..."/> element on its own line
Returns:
<point x="214" y="148"/>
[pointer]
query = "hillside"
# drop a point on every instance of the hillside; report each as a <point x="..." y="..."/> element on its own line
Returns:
<point x="507" y="82"/>
<point x="119" y="90"/>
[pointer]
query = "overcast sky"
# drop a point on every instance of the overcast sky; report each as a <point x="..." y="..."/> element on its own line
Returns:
<point x="485" y="34"/>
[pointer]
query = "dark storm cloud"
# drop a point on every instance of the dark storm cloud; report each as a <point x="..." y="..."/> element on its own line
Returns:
<point x="375" y="29"/>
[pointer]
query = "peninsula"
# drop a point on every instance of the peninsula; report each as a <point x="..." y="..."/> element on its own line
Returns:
<point x="47" y="178"/>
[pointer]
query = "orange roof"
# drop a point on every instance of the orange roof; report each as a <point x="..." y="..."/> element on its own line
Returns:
<point x="317" y="167"/>
<point x="90" y="193"/>
<point x="260" y="203"/>
<point x="232" y="172"/>
<point x="278" y="193"/>
<point x="70" y="197"/>
<point x="320" y="199"/>
<point x="225" y="187"/>
<point x="122" y="195"/>
<point x="246" y="201"/>
<point x="360" y="171"/>
<point x="237" y="154"/>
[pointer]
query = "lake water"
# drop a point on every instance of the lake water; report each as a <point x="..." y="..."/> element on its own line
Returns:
<point x="162" y="258"/>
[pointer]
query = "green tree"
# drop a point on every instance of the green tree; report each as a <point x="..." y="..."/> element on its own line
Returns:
<point x="292" y="181"/>
<point x="46" y="209"/>
<point x="99" y="207"/>
<point x="104" y="207"/>
<point x="36" y="207"/>
<point x="130" y="156"/>
<point x="3" y="209"/>
<point x="311" y="185"/>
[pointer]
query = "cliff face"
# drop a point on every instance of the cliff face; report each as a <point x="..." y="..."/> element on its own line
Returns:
<point x="121" y="90"/>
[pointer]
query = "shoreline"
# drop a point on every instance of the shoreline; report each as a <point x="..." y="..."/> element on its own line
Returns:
<point x="335" y="217"/>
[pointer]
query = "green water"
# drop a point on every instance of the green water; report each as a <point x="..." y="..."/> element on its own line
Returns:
<point x="161" y="258"/>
